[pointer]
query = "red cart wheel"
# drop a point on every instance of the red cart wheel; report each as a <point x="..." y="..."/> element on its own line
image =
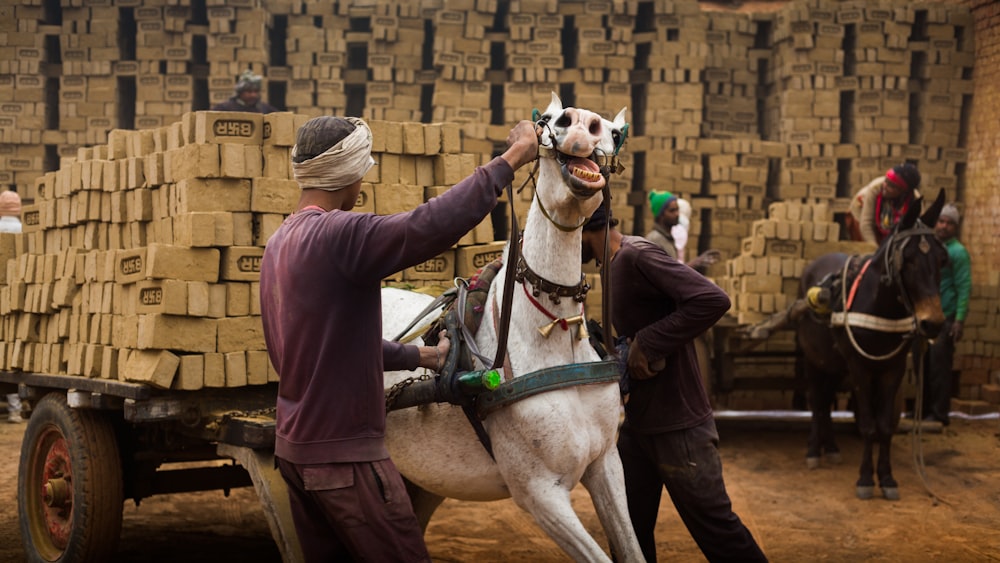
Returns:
<point x="70" y="484"/>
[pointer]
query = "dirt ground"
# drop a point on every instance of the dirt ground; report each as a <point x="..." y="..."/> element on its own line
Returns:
<point x="794" y="513"/>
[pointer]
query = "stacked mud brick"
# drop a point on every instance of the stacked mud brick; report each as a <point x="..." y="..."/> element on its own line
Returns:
<point x="835" y="78"/>
<point x="234" y="39"/>
<point x="674" y="100"/>
<point x="462" y="52"/>
<point x="22" y="94"/>
<point x="977" y="355"/>
<point x="731" y="76"/>
<point x="764" y="279"/>
<point x="140" y="258"/>
<point x="863" y="86"/>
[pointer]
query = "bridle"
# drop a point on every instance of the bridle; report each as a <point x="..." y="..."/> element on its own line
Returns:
<point x="892" y="271"/>
<point x="517" y="268"/>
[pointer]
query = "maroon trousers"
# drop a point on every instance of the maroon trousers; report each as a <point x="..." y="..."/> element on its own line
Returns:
<point x="353" y="512"/>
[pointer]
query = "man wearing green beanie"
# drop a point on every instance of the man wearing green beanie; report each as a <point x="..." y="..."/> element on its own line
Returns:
<point x="666" y="214"/>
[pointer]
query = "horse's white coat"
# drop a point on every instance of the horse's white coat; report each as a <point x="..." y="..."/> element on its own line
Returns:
<point x="545" y="444"/>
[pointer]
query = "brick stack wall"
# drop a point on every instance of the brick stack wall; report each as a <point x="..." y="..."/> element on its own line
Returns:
<point x="733" y="110"/>
<point x="978" y="357"/>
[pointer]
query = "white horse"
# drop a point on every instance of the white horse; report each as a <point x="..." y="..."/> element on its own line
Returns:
<point x="546" y="443"/>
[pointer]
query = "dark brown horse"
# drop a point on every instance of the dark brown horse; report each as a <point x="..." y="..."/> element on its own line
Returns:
<point x="891" y="298"/>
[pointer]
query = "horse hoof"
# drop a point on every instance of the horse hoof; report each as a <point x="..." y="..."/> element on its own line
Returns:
<point x="865" y="492"/>
<point x="834" y="457"/>
<point x="812" y="462"/>
<point x="890" y="493"/>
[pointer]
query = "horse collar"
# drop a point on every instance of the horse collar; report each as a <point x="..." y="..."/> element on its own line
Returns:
<point x="540" y="285"/>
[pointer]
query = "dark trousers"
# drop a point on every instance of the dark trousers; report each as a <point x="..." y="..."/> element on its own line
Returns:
<point x="938" y="375"/>
<point x="687" y="463"/>
<point x="353" y="512"/>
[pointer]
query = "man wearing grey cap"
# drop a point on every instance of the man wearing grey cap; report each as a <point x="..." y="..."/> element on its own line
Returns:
<point x="320" y="296"/>
<point x="956" y="285"/>
<point x="246" y="96"/>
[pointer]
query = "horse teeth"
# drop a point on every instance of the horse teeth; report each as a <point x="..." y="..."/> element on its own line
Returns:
<point x="586" y="174"/>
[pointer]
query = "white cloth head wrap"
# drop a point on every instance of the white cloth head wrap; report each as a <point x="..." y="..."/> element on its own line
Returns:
<point x="341" y="165"/>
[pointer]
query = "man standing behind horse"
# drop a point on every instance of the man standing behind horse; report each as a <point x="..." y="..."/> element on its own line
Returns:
<point x="321" y="306"/>
<point x="875" y="209"/>
<point x="669" y="436"/>
<point x="666" y="215"/>
<point x="956" y="286"/>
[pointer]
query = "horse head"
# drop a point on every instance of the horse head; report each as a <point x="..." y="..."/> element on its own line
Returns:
<point x="914" y="258"/>
<point x="581" y="149"/>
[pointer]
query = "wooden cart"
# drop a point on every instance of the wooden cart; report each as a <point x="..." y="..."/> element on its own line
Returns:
<point x="91" y="444"/>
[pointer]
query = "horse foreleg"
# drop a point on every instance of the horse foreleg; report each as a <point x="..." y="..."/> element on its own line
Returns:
<point x="888" y="420"/>
<point x="605" y="481"/>
<point x="890" y="489"/>
<point x="866" y="425"/>
<point x="424" y="502"/>
<point x="822" y="391"/>
<point x="549" y="503"/>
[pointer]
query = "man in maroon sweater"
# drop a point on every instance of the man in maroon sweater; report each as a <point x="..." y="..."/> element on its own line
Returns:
<point x="668" y="437"/>
<point x="321" y="304"/>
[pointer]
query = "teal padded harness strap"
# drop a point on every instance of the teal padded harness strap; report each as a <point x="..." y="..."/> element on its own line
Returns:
<point x="546" y="379"/>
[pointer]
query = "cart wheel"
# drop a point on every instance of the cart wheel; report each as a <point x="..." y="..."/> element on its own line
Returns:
<point x="70" y="483"/>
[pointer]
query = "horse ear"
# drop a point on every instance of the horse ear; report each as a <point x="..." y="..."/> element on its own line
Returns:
<point x="555" y="106"/>
<point x="930" y="217"/>
<point x="619" y="120"/>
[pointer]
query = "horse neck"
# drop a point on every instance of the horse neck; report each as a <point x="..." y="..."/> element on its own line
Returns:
<point x="552" y="253"/>
<point x="876" y="298"/>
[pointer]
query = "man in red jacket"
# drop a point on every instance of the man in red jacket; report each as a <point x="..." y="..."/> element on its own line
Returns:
<point x="320" y="299"/>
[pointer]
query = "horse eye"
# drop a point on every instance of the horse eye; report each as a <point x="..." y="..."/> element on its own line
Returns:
<point x="563" y="121"/>
<point x="616" y="136"/>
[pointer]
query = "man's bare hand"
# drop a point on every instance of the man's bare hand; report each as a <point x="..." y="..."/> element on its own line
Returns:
<point x="706" y="259"/>
<point x="638" y="364"/>
<point x="443" y="346"/>
<point x="522" y="144"/>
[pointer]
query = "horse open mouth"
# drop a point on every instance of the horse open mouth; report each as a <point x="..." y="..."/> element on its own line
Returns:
<point x="583" y="175"/>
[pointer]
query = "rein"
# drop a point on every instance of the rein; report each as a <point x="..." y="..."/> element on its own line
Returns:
<point x="560" y="226"/>
<point x="513" y="255"/>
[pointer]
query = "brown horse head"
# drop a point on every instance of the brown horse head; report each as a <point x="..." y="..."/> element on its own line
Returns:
<point x="914" y="258"/>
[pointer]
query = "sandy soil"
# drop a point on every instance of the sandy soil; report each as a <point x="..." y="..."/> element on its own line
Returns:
<point x="795" y="514"/>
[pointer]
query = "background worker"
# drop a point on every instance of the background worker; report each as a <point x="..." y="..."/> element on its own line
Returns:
<point x="666" y="216"/>
<point x="669" y="437"/>
<point x="877" y="207"/>
<point x="956" y="287"/>
<point x="10" y="222"/>
<point x="246" y="96"/>
<point x="320" y="293"/>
